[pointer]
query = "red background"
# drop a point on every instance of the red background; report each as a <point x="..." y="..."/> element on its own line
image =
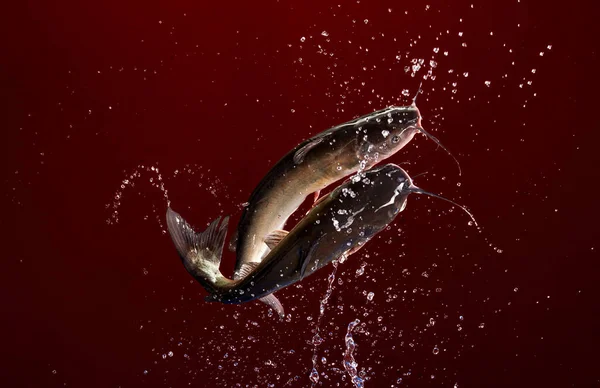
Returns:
<point x="93" y="293"/>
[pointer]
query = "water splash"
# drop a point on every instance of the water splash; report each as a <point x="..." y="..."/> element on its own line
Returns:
<point x="349" y="362"/>
<point x="317" y="339"/>
<point x="130" y="180"/>
<point x="194" y="173"/>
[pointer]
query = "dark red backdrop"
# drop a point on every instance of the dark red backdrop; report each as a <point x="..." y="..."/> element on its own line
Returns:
<point x="93" y="293"/>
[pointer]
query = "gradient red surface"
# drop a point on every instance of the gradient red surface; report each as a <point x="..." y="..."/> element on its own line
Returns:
<point x="94" y="294"/>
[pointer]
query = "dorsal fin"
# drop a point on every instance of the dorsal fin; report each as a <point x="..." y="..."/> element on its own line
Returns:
<point x="275" y="237"/>
<point x="301" y="153"/>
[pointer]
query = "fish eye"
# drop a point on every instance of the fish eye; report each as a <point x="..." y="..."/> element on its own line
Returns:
<point x="395" y="139"/>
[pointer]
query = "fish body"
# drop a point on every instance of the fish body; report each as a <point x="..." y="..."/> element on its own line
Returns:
<point x="314" y="164"/>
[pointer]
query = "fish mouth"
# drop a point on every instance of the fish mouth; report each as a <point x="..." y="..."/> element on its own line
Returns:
<point x="417" y="125"/>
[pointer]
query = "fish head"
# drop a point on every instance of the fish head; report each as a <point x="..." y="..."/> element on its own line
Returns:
<point x="392" y="186"/>
<point x="395" y="184"/>
<point x="383" y="133"/>
<point x="378" y="195"/>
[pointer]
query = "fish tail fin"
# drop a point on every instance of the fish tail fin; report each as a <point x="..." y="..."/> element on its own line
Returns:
<point x="200" y="252"/>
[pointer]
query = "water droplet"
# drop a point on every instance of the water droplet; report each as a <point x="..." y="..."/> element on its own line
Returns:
<point x="314" y="376"/>
<point x="317" y="339"/>
<point x="302" y="39"/>
<point x="325" y="33"/>
<point x="487" y="83"/>
<point x="370" y="296"/>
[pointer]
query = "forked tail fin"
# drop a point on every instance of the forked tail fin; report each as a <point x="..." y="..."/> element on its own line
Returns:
<point x="200" y="252"/>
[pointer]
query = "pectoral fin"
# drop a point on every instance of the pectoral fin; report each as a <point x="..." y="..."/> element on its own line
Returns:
<point x="306" y="256"/>
<point x="301" y="153"/>
<point x="320" y="200"/>
<point x="317" y="201"/>
<point x="274" y="303"/>
<point x="275" y="237"/>
<point x="316" y="198"/>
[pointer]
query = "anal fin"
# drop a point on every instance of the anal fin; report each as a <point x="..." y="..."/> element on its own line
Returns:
<point x="275" y="237"/>
<point x="274" y="303"/>
<point x="317" y="201"/>
<point x="316" y="196"/>
<point x="270" y="300"/>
